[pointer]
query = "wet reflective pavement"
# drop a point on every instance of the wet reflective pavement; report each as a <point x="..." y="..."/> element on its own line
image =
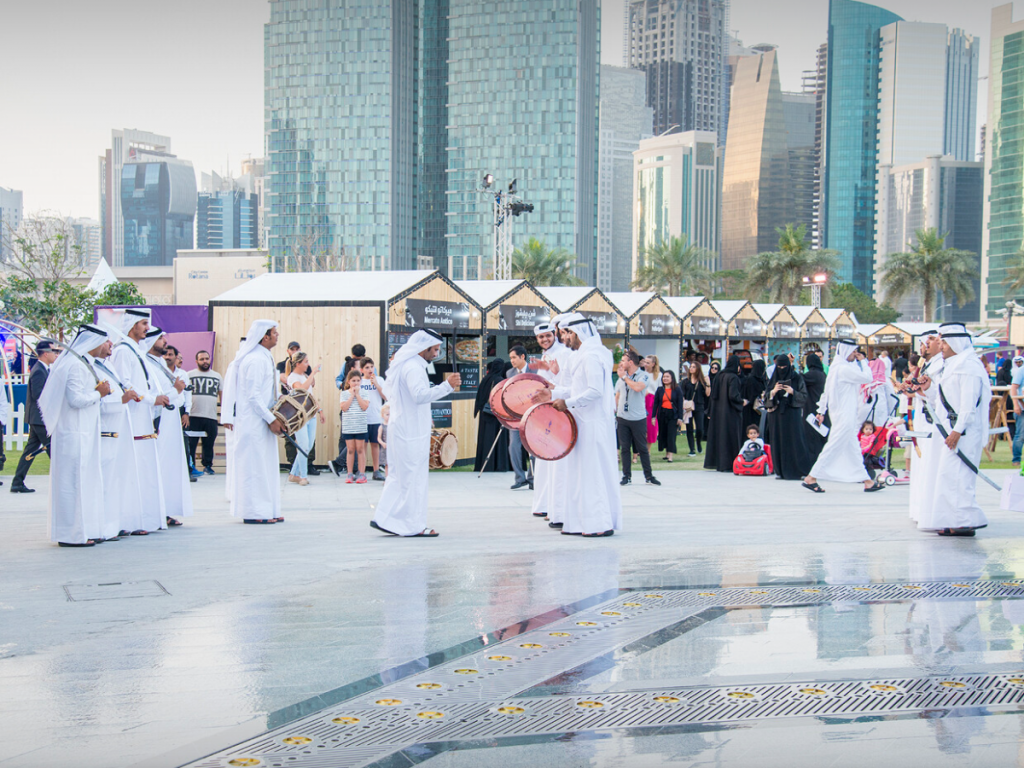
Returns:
<point x="173" y="648"/>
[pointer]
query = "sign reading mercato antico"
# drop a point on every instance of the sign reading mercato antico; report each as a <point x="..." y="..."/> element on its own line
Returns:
<point x="816" y="331"/>
<point x="785" y="330"/>
<point x="516" y="317"/>
<point x="436" y="315"/>
<point x="605" y="322"/>
<point x="747" y="327"/>
<point x="706" y="325"/>
<point x="656" y="325"/>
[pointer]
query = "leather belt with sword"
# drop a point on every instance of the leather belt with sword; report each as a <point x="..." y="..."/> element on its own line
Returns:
<point x="937" y="423"/>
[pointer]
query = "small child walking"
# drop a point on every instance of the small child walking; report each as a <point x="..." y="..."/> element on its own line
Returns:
<point x="354" y="425"/>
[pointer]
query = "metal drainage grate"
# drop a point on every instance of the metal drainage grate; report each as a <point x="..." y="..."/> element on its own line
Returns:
<point x="475" y="696"/>
<point x="114" y="590"/>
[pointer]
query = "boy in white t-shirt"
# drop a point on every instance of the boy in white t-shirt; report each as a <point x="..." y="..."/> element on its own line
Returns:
<point x="373" y="393"/>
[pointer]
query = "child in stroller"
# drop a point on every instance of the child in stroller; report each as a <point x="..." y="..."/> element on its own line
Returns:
<point x="755" y="457"/>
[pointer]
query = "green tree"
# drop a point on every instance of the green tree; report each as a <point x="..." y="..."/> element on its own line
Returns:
<point x="1014" y="279"/>
<point x="675" y="267"/>
<point x="730" y="284"/>
<point x="543" y="266"/>
<point x="929" y="268"/>
<point x="120" y="295"/>
<point x="779" y="275"/>
<point x="48" y="307"/>
<point x="847" y="296"/>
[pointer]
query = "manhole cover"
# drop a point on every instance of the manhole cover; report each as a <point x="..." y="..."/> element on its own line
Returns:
<point x="114" y="590"/>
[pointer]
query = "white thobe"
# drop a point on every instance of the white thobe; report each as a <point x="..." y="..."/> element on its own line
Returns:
<point x="254" y="475"/>
<point x="170" y="445"/>
<point x="76" y="482"/>
<point x="841" y="459"/>
<point x="402" y="508"/>
<point x="954" y="502"/>
<point x="593" y="503"/>
<point x="129" y="368"/>
<point x="121" y="495"/>
<point x="548" y="476"/>
<point x="923" y="468"/>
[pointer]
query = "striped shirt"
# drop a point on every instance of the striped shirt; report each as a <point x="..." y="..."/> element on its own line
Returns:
<point x="353" y="421"/>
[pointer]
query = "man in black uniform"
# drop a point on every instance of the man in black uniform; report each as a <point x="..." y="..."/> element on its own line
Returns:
<point x="38" y="440"/>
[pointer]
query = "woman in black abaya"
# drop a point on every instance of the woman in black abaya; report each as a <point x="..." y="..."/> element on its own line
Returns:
<point x="489" y="426"/>
<point x="787" y="395"/>
<point x="753" y="386"/>
<point x="814" y="380"/>
<point x="725" y="433"/>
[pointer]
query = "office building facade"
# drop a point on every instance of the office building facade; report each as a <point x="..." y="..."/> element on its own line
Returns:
<point x="799" y="109"/>
<point x="677" y="192"/>
<point x="227" y="220"/>
<point x="12" y="209"/>
<point x="682" y="46"/>
<point x="88" y="235"/>
<point x="625" y="121"/>
<point x="757" y="194"/>
<point x="158" y="202"/>
<point x="941" y="193"/>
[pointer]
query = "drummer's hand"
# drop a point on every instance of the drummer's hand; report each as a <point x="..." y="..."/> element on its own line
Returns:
<point x="541" y="396"/>
<point x="103" y="388"/>
<point x="560" y="405"/>
<point x="179" y="385"/>
<point x="276" y="426"/>
<point x="453" y="379"/>
<point x="229" y="427"/>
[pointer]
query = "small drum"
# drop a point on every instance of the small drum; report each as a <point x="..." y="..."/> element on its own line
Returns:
<point x="548" y="433"/>
<point x="444" y="449"/>
<point x="517" y="395"/>
<point x="498" y="409"/>
<point x="295" y="409"/>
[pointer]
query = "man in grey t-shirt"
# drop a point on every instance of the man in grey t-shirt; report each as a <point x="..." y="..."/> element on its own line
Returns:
<point x="206" y="386"/>
<point x="631" y="416"/>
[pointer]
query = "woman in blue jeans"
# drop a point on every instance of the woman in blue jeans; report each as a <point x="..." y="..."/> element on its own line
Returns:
<point x="301" y="377"/>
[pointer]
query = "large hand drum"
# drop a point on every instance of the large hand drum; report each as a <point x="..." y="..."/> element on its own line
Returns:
<point x="444" y="449"/>
<point x="295" y="410"/>
<point x="498" y="409"/>
<point x="548" y="433"/>
<point x="517" y="395"/>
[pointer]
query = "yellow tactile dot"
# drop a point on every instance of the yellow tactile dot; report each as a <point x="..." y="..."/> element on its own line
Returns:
<point x="586" y="623"/>
<point x="430" y="715"/>
<point x="389" y="702"/>
<point x="297" y="741"/>
<point x="912" y="586"/>
<point x="740" y="695"/>
<point x="1011" y="584"/>
<point x="882" y="687"/>
<point x="530" y="645"/>
<point x="759" y="591"/>
<point x="467" y="672"/>
<point x="499" y="658"/>
<point x="345" y="720"/>
<point x="962" y="586"/>
<point x="610" y="613"/>
<point x="1016" y="680"/>
<point x="951" y="684"/>
<point x="560" y="634"/>
<point x="654" y="597"/>
<point x="706" y="594"/>
<point x="511" y="710"/>
<point x="632" y="605"/>
<point x="428" y="686"/>
<point x="244" y="761"/>
<point x="810" y="590"/>
<point x="589" y="704"/>
<point x="861" y="589"/>
<point x="666" y="699"/>
<point x="813" y="691"/>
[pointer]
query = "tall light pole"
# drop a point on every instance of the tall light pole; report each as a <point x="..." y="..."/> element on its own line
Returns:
<point x="815" y="282"/>
<point x="507" y="205"/>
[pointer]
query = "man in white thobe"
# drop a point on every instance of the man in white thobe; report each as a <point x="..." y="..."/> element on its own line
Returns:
<point x="962" y="395"/>
<point x="122" y="496"/>
<point x="923" y="467"/>
<point x="593" y="504"/>
<point x="170" y="442"/>
<point x="70" y="407"/>
<point x="251" y="387"/>
<point x="128" y="362"/>
<point x="547" y="478"/>
<point x="402" y="509"/>
<point x="841" y="459"/>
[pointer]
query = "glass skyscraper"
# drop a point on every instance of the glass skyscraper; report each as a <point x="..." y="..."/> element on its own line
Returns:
<point x="851" y="126"/>
<point x="227" y="219"/>
<point x="158" y="202"/>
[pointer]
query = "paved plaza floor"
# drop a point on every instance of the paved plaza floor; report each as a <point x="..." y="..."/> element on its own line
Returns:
<point x="734" y="621"/>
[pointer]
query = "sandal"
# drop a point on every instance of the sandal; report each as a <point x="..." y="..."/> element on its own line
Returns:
<point x="277" y="519"/>
<point x="555" y="525"/>
<point x="956" y="532"/>
<point x="172" y="523"/>
<point x="373" y="524"/>
<point x="813" y="487"/>
<point x="598" y="535"/>
<point x="89" y="543"/>
<point x="876" y="487"/>
<point x="567" y="533"/>
<point x="259" y="522"/>
<point x="540" y="514"/>
<point x="140" y="532"/>
<point x="427" y="533"/>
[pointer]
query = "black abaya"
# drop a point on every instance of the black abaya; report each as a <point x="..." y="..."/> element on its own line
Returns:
<point x="814" y="380"/>
<point x="753" y="386"/>
<point x="489" y="427"/>
<point x="725" y="431"/>
<point x="786" y="423"/>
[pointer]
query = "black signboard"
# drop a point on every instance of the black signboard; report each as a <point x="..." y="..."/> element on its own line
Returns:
<point x="441" y="413"/>
<point x="784" y="330"/>
<point x="845" y="331"/>
<point x="436" y="315"/>
<point x="517" y="317"/>
<point x="396" y="340"/>
<point x="889" y="338"/>
<point x="753" y="328"/>
<point x="815" y="331"/>
<point x="655" y="325"/>
<point x="705" y="326"/>
<point x="470" y="374"/>
<point x="605" y="322"/>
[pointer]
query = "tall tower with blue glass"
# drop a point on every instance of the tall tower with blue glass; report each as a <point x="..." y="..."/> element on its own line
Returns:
<point x="851" y="135"/>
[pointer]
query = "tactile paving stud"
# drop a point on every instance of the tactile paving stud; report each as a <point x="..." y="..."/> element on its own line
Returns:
<point x="467" y="671"/>
<point x="430" y="715"/>
<point x="589" y="704"/>
<point x="511" y="710"/>
<point x="297" y="741"/>
<point x="428" y="686"/>
<point x="389" y="702"/>
<point x="667" y="699"/>
<point x="499" y="658"/>
<point x="345" y="720"/>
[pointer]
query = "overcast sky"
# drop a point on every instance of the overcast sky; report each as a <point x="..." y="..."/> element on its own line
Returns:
<point x="193" y="70"/>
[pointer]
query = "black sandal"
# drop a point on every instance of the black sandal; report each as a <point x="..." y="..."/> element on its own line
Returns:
<point x="813" y="487"/>
<point x="540" y="514"/>
<point x="567" y="533"/>
<point x="140" y="532"/>
<point x="373" y="524"/>
<point x="598" y="535"/>
<point x="172" y="523"/>
<point x="876" y="487"/>
<point x="555" y="525"/>
<point x="254" y="521"/>
<point x="956" y="532"/>
<point x="432" y="535"/>
<point x="89" y="543"/>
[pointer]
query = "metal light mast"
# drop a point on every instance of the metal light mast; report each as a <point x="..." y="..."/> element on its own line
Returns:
<point x="506" y="205"/>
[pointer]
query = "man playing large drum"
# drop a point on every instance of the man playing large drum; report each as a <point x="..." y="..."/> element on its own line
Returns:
<point x="402" y="509"/>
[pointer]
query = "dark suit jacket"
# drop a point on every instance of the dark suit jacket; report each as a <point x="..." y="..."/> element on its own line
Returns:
<point x="36" y="381"/>
<point x="677" y="402"/>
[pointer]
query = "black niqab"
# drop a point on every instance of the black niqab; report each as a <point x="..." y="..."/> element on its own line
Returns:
<point x="786" y="422"/>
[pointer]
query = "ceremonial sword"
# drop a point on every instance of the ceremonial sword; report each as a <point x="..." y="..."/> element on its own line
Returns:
<point x="942" y="431"/>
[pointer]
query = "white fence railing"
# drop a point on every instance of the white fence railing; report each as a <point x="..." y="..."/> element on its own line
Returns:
<point x="14" y="436"/>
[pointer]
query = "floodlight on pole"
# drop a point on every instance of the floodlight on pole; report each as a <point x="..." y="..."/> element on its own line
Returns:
<point x="815" y="282"/>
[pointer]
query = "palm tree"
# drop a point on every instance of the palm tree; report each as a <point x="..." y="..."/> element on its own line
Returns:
<point x="780" y="274"/>
<point x="675" y="268"/>
<point x="1014" y="279"/>
<point x="544" y="267"/>
<point x="929" y="267"/>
